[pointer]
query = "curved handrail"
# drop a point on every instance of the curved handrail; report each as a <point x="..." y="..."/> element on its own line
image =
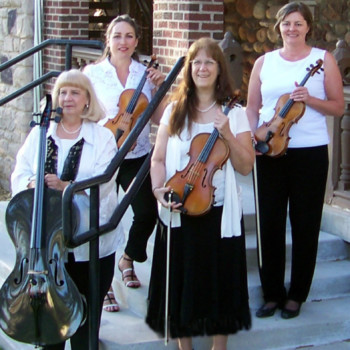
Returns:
<point x="69" y="44"/>
<point x="48" y="42"/>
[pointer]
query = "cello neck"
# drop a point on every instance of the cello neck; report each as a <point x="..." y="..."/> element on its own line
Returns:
<point x="37" y="217"/>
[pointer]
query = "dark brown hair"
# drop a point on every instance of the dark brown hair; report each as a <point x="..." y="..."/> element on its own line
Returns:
<point x="121" y="18"/>
<point x="291" y="7"/>
<point x="184" y="96"/>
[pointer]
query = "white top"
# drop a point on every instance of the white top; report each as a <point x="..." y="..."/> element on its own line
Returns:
<point x="278" y="77"/>
<point x="227" y="192"/>
<point x="98" y="150"/>
<point x="108" y="88"/>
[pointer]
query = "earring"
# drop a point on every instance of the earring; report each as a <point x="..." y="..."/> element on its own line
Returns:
<point x="87" y="106"/>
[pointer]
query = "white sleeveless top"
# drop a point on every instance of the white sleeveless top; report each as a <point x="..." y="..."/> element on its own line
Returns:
<point x="278" y="77"/>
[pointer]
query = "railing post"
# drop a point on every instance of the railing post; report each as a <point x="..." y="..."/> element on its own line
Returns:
<point x="94" y="272"/>
<point x="68" y="57"/>
<point x="344" y="179"/>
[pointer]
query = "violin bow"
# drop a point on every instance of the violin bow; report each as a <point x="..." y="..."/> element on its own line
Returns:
<point x="166" y="318"/>
<point x="257" y="214"/>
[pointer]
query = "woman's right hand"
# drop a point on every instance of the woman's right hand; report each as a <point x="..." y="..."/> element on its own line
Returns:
<point x="159" y="193"/>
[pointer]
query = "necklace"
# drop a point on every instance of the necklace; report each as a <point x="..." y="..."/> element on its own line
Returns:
<point x="70" y="132"/>
<point x="206" y="109"/>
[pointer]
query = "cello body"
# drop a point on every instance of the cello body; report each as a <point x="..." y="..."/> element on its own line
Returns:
<point x="44" y="306"/>
<point x="39" y="302"/>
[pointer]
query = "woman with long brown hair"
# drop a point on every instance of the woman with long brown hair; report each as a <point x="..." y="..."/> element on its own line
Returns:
<point x="208" y="276"/>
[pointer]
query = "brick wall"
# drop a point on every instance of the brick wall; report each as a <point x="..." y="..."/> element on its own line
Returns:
<point x="63" y="20"/>
<point x="177" y="23"/>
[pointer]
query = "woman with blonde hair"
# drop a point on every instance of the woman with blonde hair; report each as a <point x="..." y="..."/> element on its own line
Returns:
<point x="77" y="149"/>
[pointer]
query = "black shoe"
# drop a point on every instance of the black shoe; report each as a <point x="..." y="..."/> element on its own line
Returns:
<point x="287" y="313"/>
<point x="265" y="311"/>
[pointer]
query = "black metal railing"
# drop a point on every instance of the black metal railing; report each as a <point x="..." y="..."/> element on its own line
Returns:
<point x="68" y="62"/>
<point x="95" y="230"/>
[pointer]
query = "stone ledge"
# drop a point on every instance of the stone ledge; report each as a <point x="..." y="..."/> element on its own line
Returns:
<point x="336" y="220"/>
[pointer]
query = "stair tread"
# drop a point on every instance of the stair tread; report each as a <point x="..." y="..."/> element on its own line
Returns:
<point x="316" y="315"/>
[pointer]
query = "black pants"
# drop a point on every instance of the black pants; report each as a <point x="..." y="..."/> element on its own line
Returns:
<point x="144" y="207"/>
<point x="79" y="272"/>
<point x="297" y="179"/>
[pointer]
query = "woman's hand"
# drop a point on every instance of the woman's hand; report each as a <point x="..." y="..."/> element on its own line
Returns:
<point x="222" y="124"/>
<point x="155" y="76"/>
<point x="159" y="193"/>
<point x="300" y="94"/>
<point x="53" y="182"/>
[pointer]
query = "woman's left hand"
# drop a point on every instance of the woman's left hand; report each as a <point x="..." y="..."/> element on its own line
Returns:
<point x="300" y="94"/>
<point x="53" y="182"/>
<point x="155" y="76"/>
<point x="221" y="123"/>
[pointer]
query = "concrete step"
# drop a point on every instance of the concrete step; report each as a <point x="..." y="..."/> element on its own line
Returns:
<point x="331" y="275"/>
<point x="320" y="322"/>
<point x="323" y="322"/>
<point x="322" y="325"/>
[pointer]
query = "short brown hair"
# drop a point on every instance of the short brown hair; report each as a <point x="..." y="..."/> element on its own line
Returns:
<point x="295" y="6"/>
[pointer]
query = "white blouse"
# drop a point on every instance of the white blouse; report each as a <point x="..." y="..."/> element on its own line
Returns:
<point x="108" y="88"/>
<point x="227" y="192"/>
<point x="98" y="150"/>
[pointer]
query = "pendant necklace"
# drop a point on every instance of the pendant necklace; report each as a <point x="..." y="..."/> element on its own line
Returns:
<point x="70" y="132"/>
<point x="206" y="109"/>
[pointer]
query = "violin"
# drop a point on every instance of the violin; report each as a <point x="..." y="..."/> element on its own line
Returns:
<point x="273" y="137"/>
<point x="39" y="302"/>
<point x="131" y="105"/>
<point x="192" y="186"/>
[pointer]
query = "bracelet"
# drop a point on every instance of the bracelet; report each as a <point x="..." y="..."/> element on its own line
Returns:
<point x="154" y="188"/>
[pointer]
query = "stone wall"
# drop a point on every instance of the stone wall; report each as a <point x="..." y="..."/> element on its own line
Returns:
<point x="16" y="35"/>
<point x="251" y="23"/>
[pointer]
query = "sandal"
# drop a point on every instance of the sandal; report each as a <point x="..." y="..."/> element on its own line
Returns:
<point x="109" y="303"/>
<point x="128" y="275"/>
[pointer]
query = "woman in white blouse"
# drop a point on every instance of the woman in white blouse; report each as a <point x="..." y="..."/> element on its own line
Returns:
<point x="79" y="140"/>
<point x="117" y="70"/>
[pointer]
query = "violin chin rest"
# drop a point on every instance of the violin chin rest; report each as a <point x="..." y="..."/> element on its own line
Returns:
<point x="262" y="147"/>
<point x="175" y="198"/>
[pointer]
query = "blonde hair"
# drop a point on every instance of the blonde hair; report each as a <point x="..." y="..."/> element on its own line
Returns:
<point x="76" y="78"/>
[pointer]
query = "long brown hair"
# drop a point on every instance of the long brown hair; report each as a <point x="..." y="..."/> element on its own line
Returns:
<point x="121" y="18"/>
<point x="184" y="96"/>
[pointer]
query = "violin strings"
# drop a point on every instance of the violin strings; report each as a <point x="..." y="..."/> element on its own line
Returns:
<point x="202" y="158"/>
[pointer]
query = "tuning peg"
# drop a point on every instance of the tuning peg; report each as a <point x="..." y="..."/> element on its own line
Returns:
<point x="58" y="117"/>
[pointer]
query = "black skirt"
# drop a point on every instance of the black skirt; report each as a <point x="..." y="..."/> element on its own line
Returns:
<point x="208" y="279"/>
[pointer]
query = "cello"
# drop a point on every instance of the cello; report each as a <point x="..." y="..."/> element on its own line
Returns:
<point x="192" y="186"/>
<point x="131" y="105"/>
<point x="39" y="302"/>
<point x="272" y="137"/>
